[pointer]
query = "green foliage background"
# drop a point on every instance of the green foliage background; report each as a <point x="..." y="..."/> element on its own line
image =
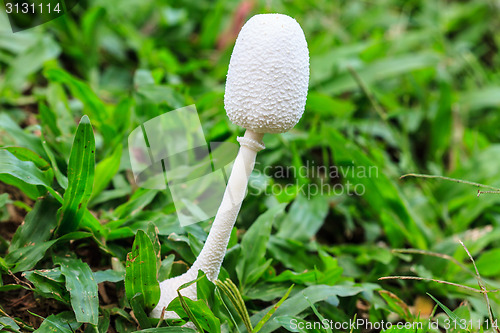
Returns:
<point x="396" y="87"/>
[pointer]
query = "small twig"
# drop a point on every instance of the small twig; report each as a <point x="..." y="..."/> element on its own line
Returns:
<point x="19" y="323"/>
<point x="495" y="189"/>
<point x="434" y="280"/>
<point x="434" y="254"/>
<point x="487" y="192"/>
<point x="161" y="316"/>
<point x="480" y="283"/>
<point x="20" y="282"/>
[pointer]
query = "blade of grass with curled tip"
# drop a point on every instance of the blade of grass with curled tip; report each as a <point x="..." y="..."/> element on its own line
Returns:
<point x="82" y="288"/>
<point x="80" y="178"/>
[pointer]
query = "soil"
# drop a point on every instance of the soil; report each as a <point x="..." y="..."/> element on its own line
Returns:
<point x="17" y="303"/>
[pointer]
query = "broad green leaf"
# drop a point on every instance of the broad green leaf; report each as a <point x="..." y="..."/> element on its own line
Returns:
<point x="294" y="324"/>
<point x="199" y="309"/>
<point x="166" y="267"/>
<point x="19" y="137"/>
<point x="141" y="271"/>
<point x="105" y="170"/>
<point x="205" y="290"/>
<point x="10" y="287"/>
<point x="273" y="310"/>
<point x="160" y="94"/>
<point x="268" y="292"/>
<point x="38" y="224"/>
<point x="8" y="323"/>
<point x="25" y="258"/>
<point x="25" y="154"/>
<point x="300" y="278"/>
<point x="327" y="106"/>
<point x="22" y="174"/>
<point x="320" y="316"/>
<point x="298" y="303"/>
<point x="304" y="219"/>
<point x="109" y="275"/>
<point x="31" y="61"/>
<point x="82" y="287"/>
<point x="254" y="246"/>
<point x="63" y="322"/>
<point x="49" y="286"/>
<point x="80" y="178"/>
<point x="487" y="97"/>
<point x="292" y="254"/>
<point x="380" y="70"/>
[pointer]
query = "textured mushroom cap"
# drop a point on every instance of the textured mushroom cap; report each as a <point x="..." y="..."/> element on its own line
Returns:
<point x="266" y="86"/>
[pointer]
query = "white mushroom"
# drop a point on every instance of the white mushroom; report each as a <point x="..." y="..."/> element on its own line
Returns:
<point x="266" y="92"/>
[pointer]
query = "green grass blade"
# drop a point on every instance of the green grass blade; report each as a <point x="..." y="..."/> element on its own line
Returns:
<point x="80" y="177"/>
<point x="82" y="287"/>
<point x="450" y="313"/>
<point x="189" y="312"/>
<point x="274" y="308"/>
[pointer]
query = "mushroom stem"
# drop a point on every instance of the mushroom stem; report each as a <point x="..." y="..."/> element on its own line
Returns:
<point x="212" y="254"/>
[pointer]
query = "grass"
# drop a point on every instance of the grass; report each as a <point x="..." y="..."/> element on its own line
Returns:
<point x="397" y="88"/>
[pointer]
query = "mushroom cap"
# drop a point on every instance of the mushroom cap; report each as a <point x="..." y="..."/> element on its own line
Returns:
<point x="268" y="76"/>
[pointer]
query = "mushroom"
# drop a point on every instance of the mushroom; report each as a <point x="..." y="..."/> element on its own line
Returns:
<point x="266" y="91"/>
